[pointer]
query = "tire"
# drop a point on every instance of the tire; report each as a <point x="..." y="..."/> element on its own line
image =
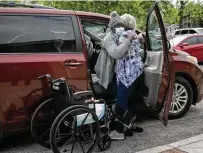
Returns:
<point x="104" y="143"/>
<point x="62" y="116"/>
<point x="184" y="100"/>
<point x="35" y="130"/>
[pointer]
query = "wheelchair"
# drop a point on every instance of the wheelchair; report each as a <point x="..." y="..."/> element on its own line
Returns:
<point x="68" y="118"/>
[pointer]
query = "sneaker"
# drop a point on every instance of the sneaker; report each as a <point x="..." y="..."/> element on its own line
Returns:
<point x="114" y="135"/>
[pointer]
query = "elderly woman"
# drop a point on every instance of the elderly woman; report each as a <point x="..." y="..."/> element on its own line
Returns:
<point x="129" y="68"/>
<point x="105" y="66"/>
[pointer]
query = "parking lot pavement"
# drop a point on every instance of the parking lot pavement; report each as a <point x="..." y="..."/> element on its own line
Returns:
<point x="155" y="134"/>
<point x="190" y="145"/>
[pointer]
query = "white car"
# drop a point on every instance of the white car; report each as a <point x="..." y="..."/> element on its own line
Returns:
<point x="187" y="31"/>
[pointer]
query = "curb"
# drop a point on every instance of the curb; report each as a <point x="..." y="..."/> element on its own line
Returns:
<point x="173" y="145"/>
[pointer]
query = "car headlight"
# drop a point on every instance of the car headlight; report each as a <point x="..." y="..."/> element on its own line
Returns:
<point x="192" y="59"/>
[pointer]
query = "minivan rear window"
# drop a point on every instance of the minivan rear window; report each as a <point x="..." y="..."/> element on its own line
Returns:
<point x="36" y="34"/>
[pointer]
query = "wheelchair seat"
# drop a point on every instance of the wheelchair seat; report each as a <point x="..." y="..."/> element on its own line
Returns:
<point x="102" y="93"/>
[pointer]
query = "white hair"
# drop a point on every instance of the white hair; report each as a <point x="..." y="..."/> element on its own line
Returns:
<point x="129" y="20"/>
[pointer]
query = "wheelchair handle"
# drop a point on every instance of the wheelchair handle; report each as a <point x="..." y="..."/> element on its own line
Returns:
<point x="57" y="80"/>
<point x="48" y="76"/>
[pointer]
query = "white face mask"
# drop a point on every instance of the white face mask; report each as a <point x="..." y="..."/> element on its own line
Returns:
<point x="119" y="30"/>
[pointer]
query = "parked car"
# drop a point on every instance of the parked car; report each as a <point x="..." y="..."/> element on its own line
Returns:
<point x="192" y="44"/>
<point x="187" y="31"/>
<point x="38" y="41"/>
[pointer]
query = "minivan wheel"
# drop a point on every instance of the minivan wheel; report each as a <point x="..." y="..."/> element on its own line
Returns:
<point x="182" y="98"/>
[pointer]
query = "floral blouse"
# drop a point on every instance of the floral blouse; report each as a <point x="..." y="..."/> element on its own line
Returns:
<point x="130" y="66"/>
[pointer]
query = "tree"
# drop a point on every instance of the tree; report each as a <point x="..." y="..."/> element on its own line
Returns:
<point x="139" y="9"/>
<point x="195" y="12"/>
<point x="181" y="9"/>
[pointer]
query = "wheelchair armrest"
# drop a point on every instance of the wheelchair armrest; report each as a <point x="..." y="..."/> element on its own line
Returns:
<point x="83" y="95"/>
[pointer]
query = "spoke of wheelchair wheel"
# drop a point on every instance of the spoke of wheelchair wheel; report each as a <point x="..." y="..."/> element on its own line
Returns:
<point x="66" y="142"/>
<point x="73" y="145"/>
<point x="84" y="119"/>
<point x="82" y="135"/>
<point x="44" y="133"/>
<point x="81" y="146"/>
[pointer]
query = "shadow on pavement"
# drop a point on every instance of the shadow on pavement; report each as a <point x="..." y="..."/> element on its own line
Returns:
<point x="16" y="141"/>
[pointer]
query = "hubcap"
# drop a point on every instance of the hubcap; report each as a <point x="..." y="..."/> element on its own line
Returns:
<point x="180" y="98"/>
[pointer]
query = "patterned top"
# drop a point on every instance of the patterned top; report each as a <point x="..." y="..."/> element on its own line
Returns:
<point x="130" y="66"/>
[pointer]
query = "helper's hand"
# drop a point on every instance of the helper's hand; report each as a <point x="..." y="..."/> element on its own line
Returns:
<point x="141" y="38"/>
<point x="131" y="36"/>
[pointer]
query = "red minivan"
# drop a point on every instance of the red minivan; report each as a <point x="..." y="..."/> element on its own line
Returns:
<point x="38" y="41"/>
<point x="192" y="44"/>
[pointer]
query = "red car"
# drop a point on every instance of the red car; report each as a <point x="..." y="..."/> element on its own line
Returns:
<point x="192" y="44"/>
<point x="38" y="41"/>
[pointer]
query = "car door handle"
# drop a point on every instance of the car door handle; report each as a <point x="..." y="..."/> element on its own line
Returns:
<point x="72" y="64"/>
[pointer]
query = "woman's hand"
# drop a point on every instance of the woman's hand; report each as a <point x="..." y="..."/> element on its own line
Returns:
<point x="131" y="36"/>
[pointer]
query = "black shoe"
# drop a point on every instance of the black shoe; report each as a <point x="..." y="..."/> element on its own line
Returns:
<point x="128" y="133"/>
<point x="137" y="129"/>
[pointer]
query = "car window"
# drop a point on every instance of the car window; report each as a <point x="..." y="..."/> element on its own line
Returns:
<point x="177" y="32"/>
<point x="192" y="32"/>
<point x="155" y="43"/>
<point x="199" y="31"/>
<point x="200" y="41"/>
<point x="36" y="34"/>
<point x="184" y="32"/>
<point x="97" y="27"/>
<point x="191" y="41"/>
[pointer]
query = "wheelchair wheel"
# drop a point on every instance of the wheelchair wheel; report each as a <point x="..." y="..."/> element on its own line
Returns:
<point x="41" y="122"/>
<point x="81" y="133"/>
<point x="104" y="143"/>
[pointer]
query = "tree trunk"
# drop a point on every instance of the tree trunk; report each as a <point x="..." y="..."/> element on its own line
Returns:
<point x="182" y="6"/>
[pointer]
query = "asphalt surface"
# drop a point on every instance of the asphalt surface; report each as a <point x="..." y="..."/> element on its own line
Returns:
<point x="154" y="134"/>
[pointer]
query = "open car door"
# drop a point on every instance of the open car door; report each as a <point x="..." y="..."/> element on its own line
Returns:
<point x="158" y="79"/>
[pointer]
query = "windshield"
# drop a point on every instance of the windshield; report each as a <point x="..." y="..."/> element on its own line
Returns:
<point x="175" y="41"/>
<point x="97" y="27"/>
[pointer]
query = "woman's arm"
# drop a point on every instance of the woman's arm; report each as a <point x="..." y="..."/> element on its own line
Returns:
<point x="114" y="50"/>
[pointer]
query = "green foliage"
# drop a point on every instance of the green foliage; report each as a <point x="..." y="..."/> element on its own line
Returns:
<point x="195" y="10"/>
<point x="139" y="9"/>
<point x="169" y="13"/>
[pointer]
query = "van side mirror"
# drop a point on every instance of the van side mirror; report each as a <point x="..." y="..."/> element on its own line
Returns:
<point x="184" y="44"/>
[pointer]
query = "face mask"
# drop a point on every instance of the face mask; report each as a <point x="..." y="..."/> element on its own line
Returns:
<point x="119" y="30"/>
